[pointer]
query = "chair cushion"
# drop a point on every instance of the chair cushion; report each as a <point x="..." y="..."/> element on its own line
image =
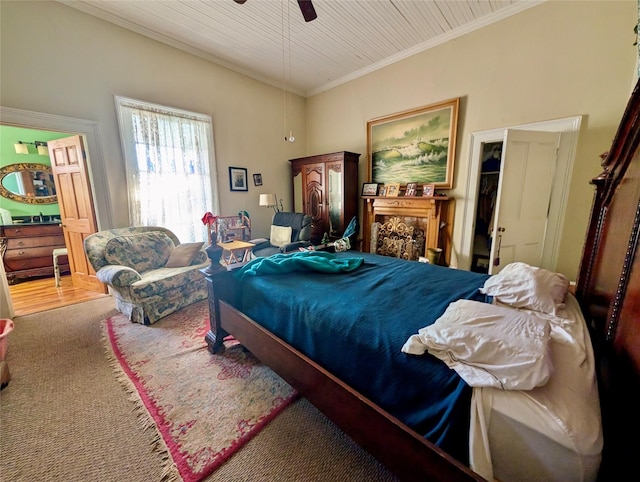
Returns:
<point x="280" y="235"/>
<point x="142" y="252"/>
<point x="183" y="255"/>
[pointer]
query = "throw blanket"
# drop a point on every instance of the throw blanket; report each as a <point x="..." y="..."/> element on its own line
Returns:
<point x="319" y="261"/>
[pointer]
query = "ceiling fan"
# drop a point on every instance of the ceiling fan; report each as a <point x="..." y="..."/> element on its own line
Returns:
<point x="306" y="7"/>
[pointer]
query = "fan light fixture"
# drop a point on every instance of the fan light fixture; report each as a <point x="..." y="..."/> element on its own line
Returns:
<point x="22" y="147"/>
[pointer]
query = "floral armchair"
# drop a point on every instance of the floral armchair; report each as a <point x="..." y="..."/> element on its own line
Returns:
<point x="150" y="273"/>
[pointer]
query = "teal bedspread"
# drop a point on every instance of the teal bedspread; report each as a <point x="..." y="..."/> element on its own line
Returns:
<point x="319" y="261"/>
<point x="354" y="318"/>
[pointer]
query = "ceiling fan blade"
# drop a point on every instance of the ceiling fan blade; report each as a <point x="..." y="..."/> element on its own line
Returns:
<point x="308" y="12"/>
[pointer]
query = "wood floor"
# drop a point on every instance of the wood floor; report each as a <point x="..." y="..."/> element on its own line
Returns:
<point x="41" y="294"/>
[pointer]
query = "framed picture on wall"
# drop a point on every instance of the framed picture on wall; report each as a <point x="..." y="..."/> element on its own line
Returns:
<point x="257" y="179"/>
<point x="238" y="179"/>
<point x="414" y="146"/>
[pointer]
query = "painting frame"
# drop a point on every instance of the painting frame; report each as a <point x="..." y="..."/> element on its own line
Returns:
<point x="370" y="189"/>
<point x="238" y="179"/>
<point x="393" y="189"/>
<point x="420" y="142"/>
<point x="257" y="179"/>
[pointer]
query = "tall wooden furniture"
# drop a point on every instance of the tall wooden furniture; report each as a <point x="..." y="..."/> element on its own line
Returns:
<point x="326" y="187"/>
<point x="431" y="216"/>
<point x="27" y="250"/>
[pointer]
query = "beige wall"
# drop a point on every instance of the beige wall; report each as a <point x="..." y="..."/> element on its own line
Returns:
<point x="57" y="60"/>
<point x="558" y="59"/>
<point x="555" y="60"/>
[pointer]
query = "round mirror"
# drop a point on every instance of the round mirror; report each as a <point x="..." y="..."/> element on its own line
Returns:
<point x="28" y="183"/>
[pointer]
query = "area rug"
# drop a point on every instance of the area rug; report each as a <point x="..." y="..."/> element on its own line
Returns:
<point x="203" y="406"/>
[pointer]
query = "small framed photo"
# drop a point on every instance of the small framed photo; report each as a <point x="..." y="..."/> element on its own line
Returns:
<point x="238" y="179"/>
<point x="393" y="189"/>
<point x="257" y="179"/>
<point x="370" y="189"/>
<point x="428" y="190"/>
<point x="412" y="189"/>
<point x="382" y="190"/>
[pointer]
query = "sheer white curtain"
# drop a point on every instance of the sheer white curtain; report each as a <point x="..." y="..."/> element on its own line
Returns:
<point x="170" y="165"/>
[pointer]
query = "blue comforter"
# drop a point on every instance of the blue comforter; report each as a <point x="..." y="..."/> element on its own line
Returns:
<point x="354" y="324"/>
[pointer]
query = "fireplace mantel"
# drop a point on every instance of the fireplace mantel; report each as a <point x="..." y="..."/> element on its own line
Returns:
<point x="433" y="214"/>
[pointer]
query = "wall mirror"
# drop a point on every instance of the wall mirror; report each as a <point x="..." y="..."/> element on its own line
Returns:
<point x="28" y="183"/>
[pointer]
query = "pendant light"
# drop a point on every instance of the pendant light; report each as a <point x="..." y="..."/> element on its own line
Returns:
<point x="286" y="55"/>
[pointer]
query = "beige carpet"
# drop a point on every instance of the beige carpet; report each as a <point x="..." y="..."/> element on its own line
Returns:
<point x="64" y="417"/>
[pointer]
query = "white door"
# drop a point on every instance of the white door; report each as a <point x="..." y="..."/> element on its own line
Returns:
<point x="524" y="193"/>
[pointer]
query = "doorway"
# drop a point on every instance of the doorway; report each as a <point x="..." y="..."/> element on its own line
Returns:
<point x="95" y="163"/>
<point x="568" y="129"/>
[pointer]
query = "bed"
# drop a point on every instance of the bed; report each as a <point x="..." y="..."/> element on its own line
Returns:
<point x="606" y="336"/>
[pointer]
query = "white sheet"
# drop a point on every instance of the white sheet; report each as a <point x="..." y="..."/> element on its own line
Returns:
<point x="489" y="345"/>
<point x="550" y="433"/>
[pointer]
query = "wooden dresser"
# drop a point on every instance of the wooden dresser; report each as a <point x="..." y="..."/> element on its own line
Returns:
<point x="27" y="250"/>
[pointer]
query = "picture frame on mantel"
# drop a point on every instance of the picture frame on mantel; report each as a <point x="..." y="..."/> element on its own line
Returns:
<point x="417" y="145"/>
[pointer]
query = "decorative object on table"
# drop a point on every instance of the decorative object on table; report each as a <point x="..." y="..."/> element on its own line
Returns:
<point x="238" y="179"/>
<point x="412" y="189"/>
<point x="271" y="201"/>
<point x="257" y="179"/>
<point x="433" y="255"/>
<point x="370" y="189"/>
<point x="424" y="152"/>
<point x="289" y="232"/>
<point x="129" y="261"/>
<point x="342" y="244"/>
<point x="325" y="238"/>
<point x="428" y="190"/>
<point x="393" y="189"/>
<point x="182" y="391"/>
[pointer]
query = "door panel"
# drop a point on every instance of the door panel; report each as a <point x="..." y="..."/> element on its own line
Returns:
<point x="524" y="193"/>
<point x="76" y="207"/>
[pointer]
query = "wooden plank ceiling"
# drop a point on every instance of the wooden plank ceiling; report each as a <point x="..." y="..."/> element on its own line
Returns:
<point x="268" y="39"/>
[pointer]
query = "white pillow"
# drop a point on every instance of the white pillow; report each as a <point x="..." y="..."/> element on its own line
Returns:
<point x="280" y="235"/>
<point x="523" y="286"/>
<point x="489" y="345"/>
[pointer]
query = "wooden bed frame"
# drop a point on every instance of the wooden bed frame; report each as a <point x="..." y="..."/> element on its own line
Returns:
<point x="608" y="290"/>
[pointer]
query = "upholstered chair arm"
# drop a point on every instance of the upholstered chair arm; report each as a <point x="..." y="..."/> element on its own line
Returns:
<point x="260" y="243"/>
<point x="118" y="276"/>
<point x="200" y="258"/>
<point x="287" y="248"/>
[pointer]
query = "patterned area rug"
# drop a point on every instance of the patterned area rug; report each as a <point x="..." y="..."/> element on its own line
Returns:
<point x="204" y="406"/>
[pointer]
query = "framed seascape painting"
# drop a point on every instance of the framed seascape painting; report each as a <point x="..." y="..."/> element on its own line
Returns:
<point x="414" y="146"/>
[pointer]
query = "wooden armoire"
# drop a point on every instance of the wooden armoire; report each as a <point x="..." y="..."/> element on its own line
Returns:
<point x="326" y="187"/>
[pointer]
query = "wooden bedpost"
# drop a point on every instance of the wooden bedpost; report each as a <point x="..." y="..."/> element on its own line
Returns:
<point x="215" y="274"/>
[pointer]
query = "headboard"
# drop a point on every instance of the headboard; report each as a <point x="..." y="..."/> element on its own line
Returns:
<point x="608" y="289"/>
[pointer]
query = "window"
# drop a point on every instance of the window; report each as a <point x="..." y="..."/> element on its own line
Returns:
<point x="170" y="166"/>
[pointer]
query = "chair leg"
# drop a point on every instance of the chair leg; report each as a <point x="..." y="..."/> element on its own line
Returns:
<point x="56" y="270"/>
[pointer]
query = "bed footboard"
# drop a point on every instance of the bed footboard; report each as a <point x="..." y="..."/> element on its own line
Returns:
<point x="394" y="444"/>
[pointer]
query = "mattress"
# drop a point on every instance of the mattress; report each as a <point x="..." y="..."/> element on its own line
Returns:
<point x="550" y="433"/>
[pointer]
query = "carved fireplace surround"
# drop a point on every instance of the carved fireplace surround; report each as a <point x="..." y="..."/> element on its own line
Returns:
<point x="430" y="217"/>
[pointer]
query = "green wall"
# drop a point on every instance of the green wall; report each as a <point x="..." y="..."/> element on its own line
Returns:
<point x="10" y="135"/>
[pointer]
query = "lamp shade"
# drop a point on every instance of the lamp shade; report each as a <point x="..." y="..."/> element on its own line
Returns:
<point x="268" y="200"/>
<point x="21" y="148"/>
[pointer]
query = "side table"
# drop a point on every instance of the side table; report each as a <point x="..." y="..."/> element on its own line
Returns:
<point x="235" y="253"/>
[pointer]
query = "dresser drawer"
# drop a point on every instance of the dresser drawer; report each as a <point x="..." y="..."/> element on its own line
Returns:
<point x="26" y="253"/>
<point x="21" y="243"/>
<point x="31" y="230"/>
<point x="22" y="263"/>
